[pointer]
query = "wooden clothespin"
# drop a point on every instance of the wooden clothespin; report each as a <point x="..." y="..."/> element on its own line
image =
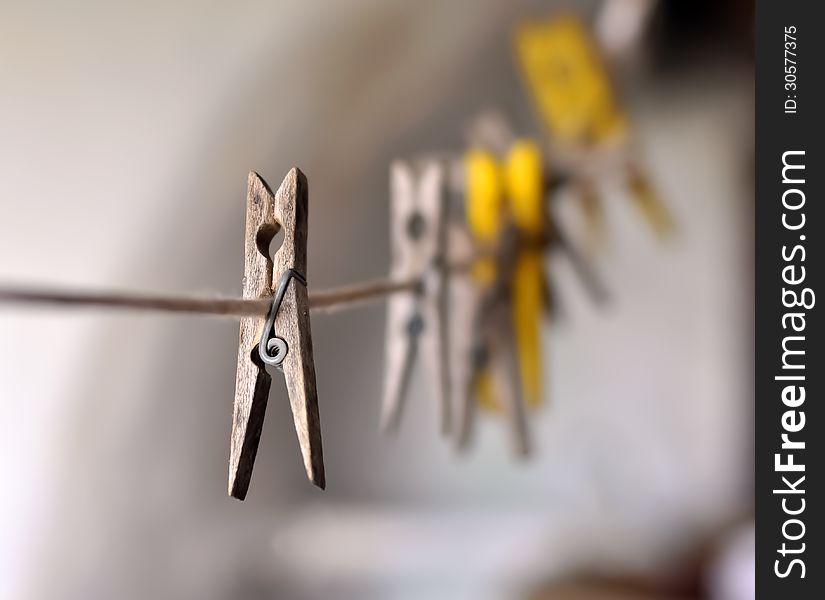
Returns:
<point x="465" y="298"/>
<point x="493" y="374"/>
<point x="415" y="321"/>
<point x="281" y="339"/>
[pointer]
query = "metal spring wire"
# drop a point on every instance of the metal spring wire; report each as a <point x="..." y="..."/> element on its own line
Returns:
<point x="273" y="349"/>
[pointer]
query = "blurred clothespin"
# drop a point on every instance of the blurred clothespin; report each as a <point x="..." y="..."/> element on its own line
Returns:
<point x="521" y="183"/>
<point x="281" y="339"/>
<point x="415" y="321"/>
<point x="516" y="172"/>
<point x="568" y="83"/>
<point x="566" y="78"/>
<point x="493" y="374"/>
<point x="525" y="191"/>
<point x="465" y="299"/>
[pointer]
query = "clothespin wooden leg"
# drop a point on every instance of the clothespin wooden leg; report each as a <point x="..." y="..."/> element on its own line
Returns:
<point x="290" y="329"/>
<point x="591" y="282"/>
<point x="504" y="372"/>
<point x="647" y="200"/>
<point x="434" y="352"/>
<point x="594" y="217"/>
<point x="466" y="298"/>
<point x="400" y="349"/>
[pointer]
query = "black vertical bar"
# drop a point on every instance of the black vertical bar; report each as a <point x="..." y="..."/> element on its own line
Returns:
<point x="790" y="67"/>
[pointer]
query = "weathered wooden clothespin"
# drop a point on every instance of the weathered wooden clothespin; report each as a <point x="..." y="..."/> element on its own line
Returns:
<point x="415" y="321"/>
<point x="282" y="338"/>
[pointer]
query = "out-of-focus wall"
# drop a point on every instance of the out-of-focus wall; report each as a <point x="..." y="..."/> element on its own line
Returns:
<point x="126" y="134"/>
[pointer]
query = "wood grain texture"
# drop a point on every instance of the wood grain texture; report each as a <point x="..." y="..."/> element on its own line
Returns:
<point x="265" y="215"/>
<point x="293" y="324"/>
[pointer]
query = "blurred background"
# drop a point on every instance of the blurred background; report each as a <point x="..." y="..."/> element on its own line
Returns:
<point x="126" y="134"/>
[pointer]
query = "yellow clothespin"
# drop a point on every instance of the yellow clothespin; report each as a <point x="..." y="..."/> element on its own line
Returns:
<point x="415" y="322"/>
<point x="572" y="91"/>
<point x="495" y="379"/>
<point x="282" y="339"/>
<point x="521" y="183"/>
<point x="567" y="80"/>
<point x="524" y="178"/>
